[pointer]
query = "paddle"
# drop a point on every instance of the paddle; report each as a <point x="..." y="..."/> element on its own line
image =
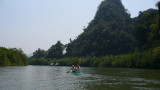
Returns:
<point x="79" y="62"/>
<point x="67" y="71"/>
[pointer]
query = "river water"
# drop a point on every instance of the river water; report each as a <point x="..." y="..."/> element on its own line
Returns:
<point x="56" y="78"/>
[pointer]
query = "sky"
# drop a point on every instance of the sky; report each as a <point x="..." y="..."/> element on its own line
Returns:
<point x="33" y="24"/>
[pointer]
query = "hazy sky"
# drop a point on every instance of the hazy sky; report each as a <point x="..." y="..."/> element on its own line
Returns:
<point x="33" y="24"/>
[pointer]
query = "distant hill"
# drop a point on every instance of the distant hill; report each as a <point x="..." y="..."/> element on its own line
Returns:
<point x="110" y="32"/>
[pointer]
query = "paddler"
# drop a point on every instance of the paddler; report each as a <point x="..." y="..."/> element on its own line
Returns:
<point x="78" y="69"/>
<point x="72" y="67"/>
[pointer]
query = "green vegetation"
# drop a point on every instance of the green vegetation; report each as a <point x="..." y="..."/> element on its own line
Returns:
<point x="41" y="57"/>
<point x="12" y="57"/>
<point x="112" y="39"/>
<point x="38" y="61"/>
<point x="110" y="32"/>
<point x="146" y="59"/>
<point x="55" y="51"/>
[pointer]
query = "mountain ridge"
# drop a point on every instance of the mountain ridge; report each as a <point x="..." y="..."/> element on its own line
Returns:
<point x="103" y="33"/>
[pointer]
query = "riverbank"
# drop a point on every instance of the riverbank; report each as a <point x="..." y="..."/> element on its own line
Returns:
<point x="12" y="57"/>
<point x="146" y="59"/>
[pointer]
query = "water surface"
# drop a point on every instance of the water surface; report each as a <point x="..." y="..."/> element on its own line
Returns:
<point x="56" y="78"/>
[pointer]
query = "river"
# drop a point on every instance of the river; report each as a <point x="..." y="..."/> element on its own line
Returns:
<point x="55" y="78"/>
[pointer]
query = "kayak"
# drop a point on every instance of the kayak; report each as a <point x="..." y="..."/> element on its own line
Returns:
<point x="76" y="73"/>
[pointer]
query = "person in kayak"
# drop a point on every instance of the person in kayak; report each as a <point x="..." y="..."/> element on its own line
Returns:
<point x="72" y="67"/>
<point x="78" y="69"/>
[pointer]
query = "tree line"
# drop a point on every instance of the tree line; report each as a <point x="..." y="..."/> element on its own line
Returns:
<point x="146" y="59"/>
<point x="42" y="57"/>
<point x="12" y="57"/>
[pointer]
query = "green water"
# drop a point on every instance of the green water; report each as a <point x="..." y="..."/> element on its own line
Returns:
<point x="124" y="79"/>
<point x="56" y="78"/>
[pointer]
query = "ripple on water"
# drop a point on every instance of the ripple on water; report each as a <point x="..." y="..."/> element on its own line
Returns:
<point x="56" y="78"/>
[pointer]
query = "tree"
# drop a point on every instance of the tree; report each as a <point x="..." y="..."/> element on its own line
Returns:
<point x="55" y="51"/>
<point x="153" y="35"/>
<point x="145" y="29"/>
<point x="4" y="61"/>
<point x="39" y="53"/>
<point x="12" y="57"/>
<point x="156" y="56"/>
<point x="158" y="5"/>
<point x="158" y="22"/>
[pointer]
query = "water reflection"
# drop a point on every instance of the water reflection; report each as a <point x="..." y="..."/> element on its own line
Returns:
<point x="56" y="78"/>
